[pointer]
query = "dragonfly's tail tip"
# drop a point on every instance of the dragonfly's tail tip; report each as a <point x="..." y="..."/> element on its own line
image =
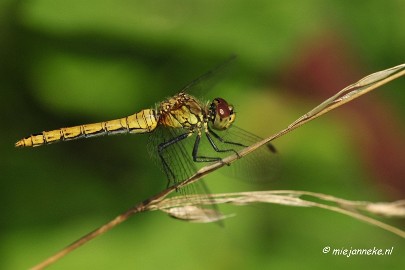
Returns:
<point x="272" y="148"/>
<point x="20" y="144"/>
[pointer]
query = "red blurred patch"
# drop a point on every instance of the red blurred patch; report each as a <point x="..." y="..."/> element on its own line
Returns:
<point x="327" y="65"/>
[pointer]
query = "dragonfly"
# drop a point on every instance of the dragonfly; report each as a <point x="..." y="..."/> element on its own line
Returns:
<point x="171" y="123"/>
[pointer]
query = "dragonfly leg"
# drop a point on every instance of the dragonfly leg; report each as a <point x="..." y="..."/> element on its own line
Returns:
<point x="216" y="147"/>
<point x="198" y="158"/>
<point x="224" y="141"/>
<point x="161" y="147"/>
<point x="219" y="138"/>
<point x="270" y="147"/>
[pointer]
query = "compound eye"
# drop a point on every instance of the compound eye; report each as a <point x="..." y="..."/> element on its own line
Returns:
<point x="223" y="108"/>
<point x="223" y="115"/>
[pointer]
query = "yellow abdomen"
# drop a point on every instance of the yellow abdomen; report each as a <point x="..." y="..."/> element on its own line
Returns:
<point x="142" y="122"/>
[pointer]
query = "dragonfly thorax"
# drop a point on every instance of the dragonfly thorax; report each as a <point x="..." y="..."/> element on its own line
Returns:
<point x="221" y="114"/>
<point x="182" y="111"/>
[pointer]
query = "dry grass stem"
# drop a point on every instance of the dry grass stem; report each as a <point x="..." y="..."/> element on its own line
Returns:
<point x="177" y="206"/>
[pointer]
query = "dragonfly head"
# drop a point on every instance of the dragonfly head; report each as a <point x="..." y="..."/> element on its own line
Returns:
<point x="221" y="114"/>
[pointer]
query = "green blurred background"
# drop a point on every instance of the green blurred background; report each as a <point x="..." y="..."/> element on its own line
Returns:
<point x="73" y="62"/>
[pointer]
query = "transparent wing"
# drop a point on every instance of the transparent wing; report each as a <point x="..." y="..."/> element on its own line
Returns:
<point x="200" y="86"/>
<point x="178" y="157"/>
<point x="260" y="166"/>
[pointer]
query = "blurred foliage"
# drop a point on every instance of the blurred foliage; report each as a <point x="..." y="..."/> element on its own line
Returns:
<point x="72" y="62"/>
